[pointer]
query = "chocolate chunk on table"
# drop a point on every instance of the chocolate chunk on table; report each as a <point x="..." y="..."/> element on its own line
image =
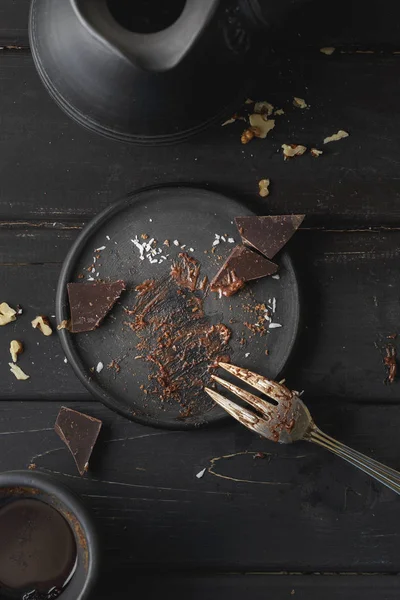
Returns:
<point x="241" y="265"/>
<point x="269" y="234"/>
<point x="79" y="432"/>
<point x="90" y="303"/>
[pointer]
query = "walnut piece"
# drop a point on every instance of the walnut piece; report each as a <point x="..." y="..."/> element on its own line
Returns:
<point x="299" y="102"/>
<point x="65" y="324"/>
<point x="7" y="314"/>
<point x="336" y="136"/>
<point x="263" y="184"/>
<point x="16" y="348"/>
<point x="290" y="150"/>
<point x="279" y="112"/>
<point x="42" y="323"/>
<point x="328" y="50"/>
<point x="263" y="108"/>
<point x="261" y="124"/>
<point x="18" y="372"/>
<point x="315" y="152"/>
<point x="247" y="135"/>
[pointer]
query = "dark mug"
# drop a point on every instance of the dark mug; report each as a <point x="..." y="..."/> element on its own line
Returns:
<point x="34" y="501"/>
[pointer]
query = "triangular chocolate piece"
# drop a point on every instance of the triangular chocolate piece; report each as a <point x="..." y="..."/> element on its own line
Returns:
<point x="241" y="265"/>
<point x="268" y="235"/>
<point x="89" y="303"/>
<point x="79" y="432"/>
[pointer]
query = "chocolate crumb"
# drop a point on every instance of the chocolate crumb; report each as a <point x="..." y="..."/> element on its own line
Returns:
<point x="390" y="362"/>
<point x="114" y="365"/>
<point x="259" y="455"/>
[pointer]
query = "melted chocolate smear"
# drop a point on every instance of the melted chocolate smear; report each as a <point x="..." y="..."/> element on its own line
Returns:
<point x="37" y="551"/>
<point x="176" y="338"/>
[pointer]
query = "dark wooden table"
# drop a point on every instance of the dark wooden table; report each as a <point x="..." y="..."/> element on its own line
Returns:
<point x="301" y="523"/>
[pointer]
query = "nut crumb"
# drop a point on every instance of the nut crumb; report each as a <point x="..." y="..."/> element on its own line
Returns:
<point x="16" y="348"/>
<point x="279" y="112"/>
<point x="32" y="466"/>
<point x="18" y="372"/>
<point x="328" y="50"/>
<point x="263" y="185"/>
<point x="7" y="314"/>
<point x="315" y="152"/>
<point x="261" y="124"/>
<point x="42" y="323"/>
<point x="263" y="108"/>
<point x="291" y="150"/>
<point x="336" y="136"/>
<point x="299" y="102"/>
<point x="65" y="324"/>
<point x="247" y="135"/>
<point x="144" y="236"/>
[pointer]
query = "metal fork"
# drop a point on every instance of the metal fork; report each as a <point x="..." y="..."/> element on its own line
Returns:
<point x="288" y="420"/>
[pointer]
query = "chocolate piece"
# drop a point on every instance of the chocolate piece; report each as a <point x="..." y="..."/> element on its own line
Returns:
<point x="79" y="433"/>
<point x="241" y="265"/>
<point x="268" y="235"/>
<point x="89" y="303"/>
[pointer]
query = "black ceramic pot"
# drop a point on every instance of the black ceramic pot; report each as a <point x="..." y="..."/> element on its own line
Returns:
<point x="21" y="485"/>
<point x="147" y="71"/>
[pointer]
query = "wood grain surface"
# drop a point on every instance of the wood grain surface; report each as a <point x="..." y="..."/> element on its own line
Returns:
<point x="297" y="523"/>
<point x="353" y="184"/>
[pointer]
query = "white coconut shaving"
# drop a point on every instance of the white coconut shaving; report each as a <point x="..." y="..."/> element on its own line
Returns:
<point x="200" y="474"/>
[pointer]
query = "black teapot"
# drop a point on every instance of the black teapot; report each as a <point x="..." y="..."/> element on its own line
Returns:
<point x="147" y="71"/>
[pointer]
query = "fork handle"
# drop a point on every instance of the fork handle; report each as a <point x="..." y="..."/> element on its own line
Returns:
<point x="385" y="475"/>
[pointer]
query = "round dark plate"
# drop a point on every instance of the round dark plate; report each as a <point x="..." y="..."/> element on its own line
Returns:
<point x="192" y="217"/>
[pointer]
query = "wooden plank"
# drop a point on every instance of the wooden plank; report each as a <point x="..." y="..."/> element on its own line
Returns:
<point x="261" y="587"/>
<point x="349" y="284"/>
<point x="52" y="169"/>
<point x="295" y="510"/>
<point x="14" y="22"/>
<point x="344" y="22"/>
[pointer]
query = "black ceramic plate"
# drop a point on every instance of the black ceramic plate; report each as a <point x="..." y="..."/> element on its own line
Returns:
<point x="192" y="217"/>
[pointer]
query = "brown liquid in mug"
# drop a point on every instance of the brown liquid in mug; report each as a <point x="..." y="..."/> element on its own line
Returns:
<point x="37" y="551"/>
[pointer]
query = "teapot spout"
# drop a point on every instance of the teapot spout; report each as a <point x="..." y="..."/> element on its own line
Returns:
<point x="153" y="43"/>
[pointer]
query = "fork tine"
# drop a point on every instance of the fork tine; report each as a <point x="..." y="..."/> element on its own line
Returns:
<point x="243" y="415"/>
<point x="261" y="405"/>
<point x="274" y="390"/>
